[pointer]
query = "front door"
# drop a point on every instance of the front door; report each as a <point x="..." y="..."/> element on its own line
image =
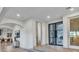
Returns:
<point x="56" y="33"/>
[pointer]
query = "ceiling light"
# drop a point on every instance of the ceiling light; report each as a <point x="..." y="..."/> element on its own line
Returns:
<point x="70" y="8"/>
<point x="18" y="15"/>
<point x="48" y="16"/>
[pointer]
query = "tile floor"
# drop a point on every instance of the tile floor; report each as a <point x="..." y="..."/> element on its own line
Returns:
<point x="7" y="47"/>
<point x="55" y="49"/>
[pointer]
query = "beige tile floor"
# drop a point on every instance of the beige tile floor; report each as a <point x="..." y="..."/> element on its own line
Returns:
<point x="55" y="49"/>
<point x="7" y="47"/>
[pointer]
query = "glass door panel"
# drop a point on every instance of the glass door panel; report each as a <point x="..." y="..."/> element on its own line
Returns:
<point x="59" y="33"/>
<point x="51" y="34"/>
<point x="56" y="33"/>
<point x="52" y="27"/>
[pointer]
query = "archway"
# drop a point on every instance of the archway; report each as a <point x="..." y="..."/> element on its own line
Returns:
<point x="10" y="28"/>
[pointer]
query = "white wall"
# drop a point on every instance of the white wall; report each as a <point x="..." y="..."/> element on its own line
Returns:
<point x="65" y="33"/>
<point x="44" y="34"/>
<point x="27" y="35"/>
<point x="41" y="33"/>
<point x="34" y="33"/>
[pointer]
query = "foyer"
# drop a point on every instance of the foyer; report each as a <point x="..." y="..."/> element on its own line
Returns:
<point x="6" y="47"/>
<point x="39" y="29"/>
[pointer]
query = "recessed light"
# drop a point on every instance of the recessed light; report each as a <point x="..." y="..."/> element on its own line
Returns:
<point x="18" y="15"/>
<point x="48" y="16"/>
<point x="70" y="8"/>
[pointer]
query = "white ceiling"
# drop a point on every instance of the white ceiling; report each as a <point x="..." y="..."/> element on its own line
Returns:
<point x="36" y="12"/>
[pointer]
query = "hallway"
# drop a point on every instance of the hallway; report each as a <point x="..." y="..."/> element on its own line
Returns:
<point x="29" y="27"/>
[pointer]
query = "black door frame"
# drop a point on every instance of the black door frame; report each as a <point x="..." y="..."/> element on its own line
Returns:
<point x="55" y="40"/>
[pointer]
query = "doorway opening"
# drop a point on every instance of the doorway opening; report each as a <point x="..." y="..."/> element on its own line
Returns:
<point x="55" y="31"/>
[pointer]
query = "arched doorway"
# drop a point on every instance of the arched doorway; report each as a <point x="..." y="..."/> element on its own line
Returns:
<point x="9" y="31"/>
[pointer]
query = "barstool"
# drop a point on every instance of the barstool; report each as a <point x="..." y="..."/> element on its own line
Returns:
<point x="8" y="40"/>
<point x="0" y="40"/>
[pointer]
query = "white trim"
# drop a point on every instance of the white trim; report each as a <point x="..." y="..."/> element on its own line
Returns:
<point x="11" y="21"/>
<point x="54" y="21"/>
<point x="67" y="19"/>
<point x="71" y="15"/>
<point x="4" y="26"/>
